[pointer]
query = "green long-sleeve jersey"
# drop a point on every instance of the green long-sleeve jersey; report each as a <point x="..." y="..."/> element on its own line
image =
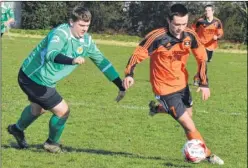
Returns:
<point x="6" y="14"/>
<point x="40" y="67"/>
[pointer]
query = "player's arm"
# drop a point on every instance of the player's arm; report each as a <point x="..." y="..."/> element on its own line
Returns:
<point x="143" y="50"/>
<point x="140" y="53"/>
<point x="195" y="24"/>
<point x="200" y="54"/>
<point x="104" y="65"/>
<point x="56" y="42"/>
<point x="220" y="31"/>
<point x="147" y="46"/>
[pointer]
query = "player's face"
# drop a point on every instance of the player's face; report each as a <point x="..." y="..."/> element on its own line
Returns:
<point x="178" y="24"/>
<point x="79" y="27"/>
<point x="209" y="12"/>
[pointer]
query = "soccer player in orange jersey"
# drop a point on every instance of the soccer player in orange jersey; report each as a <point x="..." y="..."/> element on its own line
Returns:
<point x="168" y="49"/>
<point x="209" y="30"/>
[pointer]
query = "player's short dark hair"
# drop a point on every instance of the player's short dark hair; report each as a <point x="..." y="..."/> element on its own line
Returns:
<point x="177" y="10"/>
<point x="209" y="5"/>
<point x="80" y="13"/>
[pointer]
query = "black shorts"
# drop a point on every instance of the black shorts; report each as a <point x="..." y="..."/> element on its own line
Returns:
<point x="209" y="54"/>
<point x="176" y="103"/>
<point x="46" y="97"/>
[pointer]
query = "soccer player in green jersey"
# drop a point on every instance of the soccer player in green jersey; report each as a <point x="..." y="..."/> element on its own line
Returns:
<point x="55" y="57"/>
<point x="7" y="17"/>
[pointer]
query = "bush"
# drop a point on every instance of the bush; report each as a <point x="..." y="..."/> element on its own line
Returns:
<point x="41" y="15"/>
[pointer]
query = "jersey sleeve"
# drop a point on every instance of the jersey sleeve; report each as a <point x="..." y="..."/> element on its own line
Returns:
<point x="143" y="50"/>
<point x="103" y="64"/>
<point x="220" y="31"/>
<point x="56" y="40"/>
<point x="200" y="54"/>
<point x="195" y="24"/>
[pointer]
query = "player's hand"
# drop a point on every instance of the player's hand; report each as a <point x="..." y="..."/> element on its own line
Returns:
<point x="128" y="82"/>
<point x="215" y="37"/>
<point x="121" y="95"/>
<point x="78" y="60"/>
<point x="205" y="92"/>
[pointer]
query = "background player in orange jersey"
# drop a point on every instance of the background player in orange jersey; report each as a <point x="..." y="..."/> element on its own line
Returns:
<point x="209" y="30"/>
<point x="168" y="49"/>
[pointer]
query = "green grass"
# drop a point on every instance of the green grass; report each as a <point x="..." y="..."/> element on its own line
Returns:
<point x="106" y="36"/>
<point x="231" y="45"/>
<point x="126" y="38"/>
<point x="103" y="134"/>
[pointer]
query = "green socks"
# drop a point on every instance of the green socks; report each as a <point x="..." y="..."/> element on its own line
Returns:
<point x="56" y="127"/>
<point x="56" y="124"/>
<point x="26" y="118"/>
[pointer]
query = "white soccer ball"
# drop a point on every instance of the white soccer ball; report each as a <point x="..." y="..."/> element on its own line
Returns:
<point x="194" y="151"/>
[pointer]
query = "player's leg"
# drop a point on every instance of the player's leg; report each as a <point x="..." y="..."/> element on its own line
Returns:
<point x="1" y="34"/>
<point x="29" y="114"/>
<point x="210" y="55"/>
<point x="56" y="126"/>
<point x="186" y="119"/>
<point x="155" y="108"/>
<point x="187" y="100"/>
<point x="191" y="131"/>
<point x="176" y="108"/>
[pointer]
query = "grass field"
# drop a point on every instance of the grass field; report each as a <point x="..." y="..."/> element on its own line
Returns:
<point x="103" y="134"/>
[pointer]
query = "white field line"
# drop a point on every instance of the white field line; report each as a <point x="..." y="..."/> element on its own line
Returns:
<point x="145" y="108"/>
<point x="125" y="106"/>
<point x="120" y="43"/>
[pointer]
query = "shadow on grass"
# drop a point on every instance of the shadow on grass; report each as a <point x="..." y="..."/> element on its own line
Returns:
<point x="67" y="149"/>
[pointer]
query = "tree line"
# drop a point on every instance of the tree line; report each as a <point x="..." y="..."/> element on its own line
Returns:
<point x="133" y="18"/>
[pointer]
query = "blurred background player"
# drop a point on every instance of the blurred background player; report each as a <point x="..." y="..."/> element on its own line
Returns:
<point x="55" y="57"/>
<point x="168" y="49"/>
<point x="209" y="30"/>
<point x="7" y="17"/>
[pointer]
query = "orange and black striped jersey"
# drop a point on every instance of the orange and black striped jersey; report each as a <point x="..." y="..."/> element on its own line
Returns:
<point x="168" y="58"/>
<point x="206" y="31"/>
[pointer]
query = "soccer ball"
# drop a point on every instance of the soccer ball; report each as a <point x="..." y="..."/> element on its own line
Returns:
<point x="194" y="151"/>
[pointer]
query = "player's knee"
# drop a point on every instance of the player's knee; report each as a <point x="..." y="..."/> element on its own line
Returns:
<point x="63" y="113"/>
<point x="67" y="113"/>
<point x="189" y="111"/>
<point x="186" y="122"/>
<point x="36" y="109"/>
